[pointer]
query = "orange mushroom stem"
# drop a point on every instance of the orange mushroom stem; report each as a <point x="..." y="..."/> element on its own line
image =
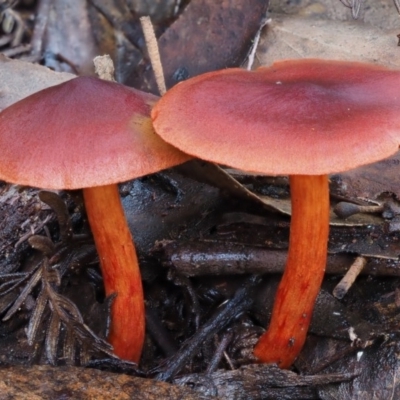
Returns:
<point x="304" y="272"/>
<point x="119" y="267"/>
<point x="92" y="134"/>
<point x="296" y="117"/>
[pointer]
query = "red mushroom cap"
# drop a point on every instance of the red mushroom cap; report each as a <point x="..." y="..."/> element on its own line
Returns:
<point x="295" y="117"/>
<point x="82" y="133"/>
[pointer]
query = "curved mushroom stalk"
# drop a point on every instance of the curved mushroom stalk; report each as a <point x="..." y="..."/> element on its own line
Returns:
<point x="305" y="268"/>
<point x="115" y="142"/>
<point x="295" y="109"/>
<point x="120" y="269"/>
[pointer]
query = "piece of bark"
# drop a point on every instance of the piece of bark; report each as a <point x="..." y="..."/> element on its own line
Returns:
<point x="260" y="382"/>
<point x="43" y="382"/>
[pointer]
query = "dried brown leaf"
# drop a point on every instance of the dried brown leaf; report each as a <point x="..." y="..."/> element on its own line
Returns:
<point x="69" y="348"/>
<point x="207" y="36"/>
<point x="25" y="292"/>
<point x="299" y="37"/>
<point x="36" y="316"/>
<point x="19" y="79"/>
<point x="58" y="205"/>
<point x="52" y="337"/>
<point x="371" y="180"/>
<point x="69" y="38"/>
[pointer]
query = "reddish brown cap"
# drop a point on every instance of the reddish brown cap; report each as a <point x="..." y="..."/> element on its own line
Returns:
<point x="295" y="117"/>
<point x="82" y="133"/>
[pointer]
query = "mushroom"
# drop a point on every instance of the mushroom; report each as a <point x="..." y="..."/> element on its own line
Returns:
<point x="302" y="118"/>
<point x="92" y="134"/>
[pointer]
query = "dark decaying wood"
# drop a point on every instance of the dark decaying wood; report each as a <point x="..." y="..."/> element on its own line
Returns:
<point x="249" y="382"/>
<point x="261" y="382"/>
<point x="239" y="304"/>
<point x="212" y="257"/>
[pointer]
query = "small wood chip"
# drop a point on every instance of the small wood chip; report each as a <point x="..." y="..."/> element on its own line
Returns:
<point x="347" y="281"/>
